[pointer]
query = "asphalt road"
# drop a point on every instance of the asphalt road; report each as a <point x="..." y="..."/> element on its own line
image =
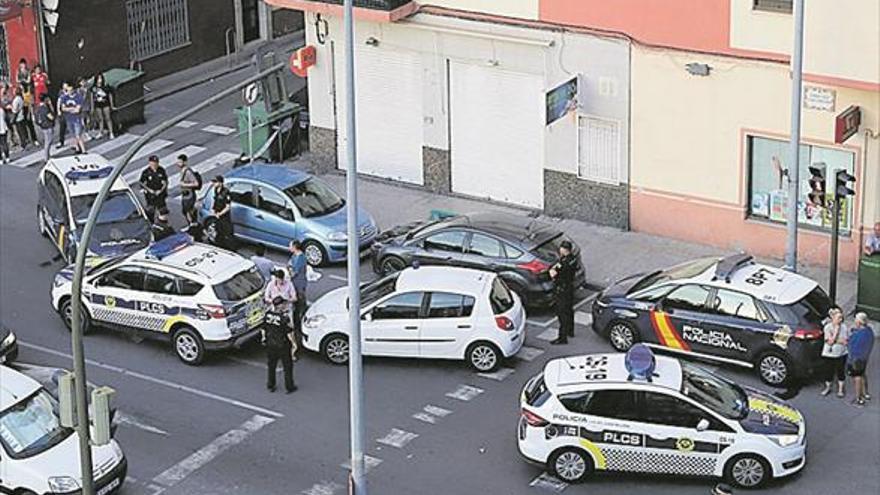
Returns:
<point x="432" y="427"/>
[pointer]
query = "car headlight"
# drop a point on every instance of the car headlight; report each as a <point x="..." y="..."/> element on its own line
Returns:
<point x="784" y="440"/>
<point x="117" y="450"/>
<point x="337" y="236"/>
<point x="314" y="321"/>
<point x="61" y="484"/>
<point x="9" y="340"/>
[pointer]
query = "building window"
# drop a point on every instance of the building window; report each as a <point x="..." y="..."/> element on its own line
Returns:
<point x="768" y="186"/>
<point x="156" y="27"/>
<point x="599" y="150"/>
<point x="773" y="5"/>
<point x="4" y="54"/>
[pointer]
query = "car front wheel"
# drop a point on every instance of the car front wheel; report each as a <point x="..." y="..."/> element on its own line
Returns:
<point x="189" y="347"/>
<point x="314" y="253"/>
<point x="335" y="349"/>
<point x="747" y="471"/>
<point x="392" y="264"/>
<point x="622" y="335"/>
<point x="66" y="312"/>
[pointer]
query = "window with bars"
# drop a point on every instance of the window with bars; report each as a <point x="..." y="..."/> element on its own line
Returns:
<point x="599" y="150"/>
<point x="773" y="5"/>
<point x="156" y="27"/>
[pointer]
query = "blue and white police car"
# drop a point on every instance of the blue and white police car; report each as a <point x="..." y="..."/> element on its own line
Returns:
<point x="641" y="413"/>
<point x="67" y="187"/>
<point x="199" y="297"/>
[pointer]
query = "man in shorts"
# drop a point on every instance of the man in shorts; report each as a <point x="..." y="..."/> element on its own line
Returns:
<point x="71" y="105"/>
<point x="859" y="345"/>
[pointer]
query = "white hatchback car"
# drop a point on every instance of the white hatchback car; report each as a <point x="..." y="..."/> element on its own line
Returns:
<point x="200" y="297"/>
<point x="430" y="312"/>
<point x="647" y="414"/>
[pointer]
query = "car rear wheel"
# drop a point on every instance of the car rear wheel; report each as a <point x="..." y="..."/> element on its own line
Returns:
<point x="335" y="349"/>
<point x="66" y="312"/>
<point x="570" y="465"/>
<point x="774" y="368"/>
<point x="188" y="346"/>
<point x="391" y="264"/>
<point x="747" y="471"/>
<point x="622" y="335"/>
<point x="314" y="252"/>
<point x="483" y="357"/>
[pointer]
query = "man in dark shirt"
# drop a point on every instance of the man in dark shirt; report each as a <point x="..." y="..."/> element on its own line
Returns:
<point x="278" y="339"/>
<point x="154" y="184"/>
<point x="563" y="274"/>
<point x="221" y="210"/>
<point x="189" y="186"/>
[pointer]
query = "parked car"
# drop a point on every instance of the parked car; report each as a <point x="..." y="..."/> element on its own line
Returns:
<point x="8" y="345"/>
<point x="520" y="250"/>
<point x="274" y="204"/>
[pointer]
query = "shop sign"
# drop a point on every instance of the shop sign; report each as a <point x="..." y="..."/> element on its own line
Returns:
<point x="561" y="100"/>
<point x="816" y="98"/>
<point x="847" y="123"/>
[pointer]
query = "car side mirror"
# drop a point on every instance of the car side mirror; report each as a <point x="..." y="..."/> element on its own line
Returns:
<point x="286" y="214"/>
<point x="703" y="425"/>
<point x="368" y="316"/>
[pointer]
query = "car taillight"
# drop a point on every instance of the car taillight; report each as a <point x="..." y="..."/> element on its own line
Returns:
<point x="533" y="419"/>
<point x="213" y="310"/>
<point x="535" y="266"/>
<point x="808" y="334"/>
<point x="504" y="323"/>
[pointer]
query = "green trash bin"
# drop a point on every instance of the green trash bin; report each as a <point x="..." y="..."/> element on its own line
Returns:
<point x="127" y="87"/>
<point x="869" y="286"/>
<point x="266" y="125"/>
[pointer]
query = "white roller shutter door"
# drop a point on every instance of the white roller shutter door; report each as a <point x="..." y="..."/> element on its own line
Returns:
<point x="497" y="134"/>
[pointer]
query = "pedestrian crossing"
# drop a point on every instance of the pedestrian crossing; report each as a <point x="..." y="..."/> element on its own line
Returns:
<point x="216" y="162"/>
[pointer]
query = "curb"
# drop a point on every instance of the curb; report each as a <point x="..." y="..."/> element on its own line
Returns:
<point x="191" y="84"/>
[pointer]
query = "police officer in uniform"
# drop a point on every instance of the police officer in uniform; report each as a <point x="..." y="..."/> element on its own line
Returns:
<point x="154" y="184"/>
<point x="222" y="211"/>
<point x="278" y="338"/>
<point x="562" y="274"/>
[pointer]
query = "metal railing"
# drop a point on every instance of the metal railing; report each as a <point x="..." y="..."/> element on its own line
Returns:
<point x="231" y="46"/>
<point x="156" y="27"/>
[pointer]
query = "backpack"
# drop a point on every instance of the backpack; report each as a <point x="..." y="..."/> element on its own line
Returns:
<point x="198" y="177"/>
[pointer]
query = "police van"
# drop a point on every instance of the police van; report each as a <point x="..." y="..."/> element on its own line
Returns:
<point x="199" y="297"/>
<point x="67" y="187"/>
<point x="730" y="310"/>
<point x="37" y="453"/>
<point x="641" y="413"/>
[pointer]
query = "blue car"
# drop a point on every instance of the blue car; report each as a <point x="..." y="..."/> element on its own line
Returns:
<point x="273" y="204"/>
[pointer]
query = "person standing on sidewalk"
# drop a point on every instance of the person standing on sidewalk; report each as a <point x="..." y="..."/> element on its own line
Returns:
<point x="18" y="118"/>
<point x="861" y="341"/>
<point x="82" y="89"/>
<point x="834" y="352"/>
<point x="71" y="104"/>
<point x="562" y="274"/>
<point x="103" y="102"/>
<point x="62" y="119"/>
<point x="40" y="81"/>
<point x="4" y="137"/>
<point x="154" y="184"/>
<point x="298" y="268"/>
<point x="45" y="118"/>
<point x="190" y="183"/>
<point x="25" y="82"/>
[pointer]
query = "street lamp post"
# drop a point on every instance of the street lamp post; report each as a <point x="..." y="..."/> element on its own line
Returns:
<point x="79" y="367"/>
<point x="797" y="62"/>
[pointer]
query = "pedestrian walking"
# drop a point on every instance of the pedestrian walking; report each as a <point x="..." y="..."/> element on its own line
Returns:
<point x="102" y="100"/>
<point x="190" y="183"/>
<point x="278" y="342"/>
<point x="562" y="274"/>
<point x="298" y="276"/>
<point x="264" y="265"/>
<point x="861" y="341"/>
<point x="834" y="352"/>
<point x="45" y="117"/>
<point x="40" y="81"/>
<point x="18" y="118"/>
<point x="71" y="105"/>
<point x="4" y="137"/>
<point x="154" y="184"/>
<point x="161" y="227"/>
<point x="221" y="209"/>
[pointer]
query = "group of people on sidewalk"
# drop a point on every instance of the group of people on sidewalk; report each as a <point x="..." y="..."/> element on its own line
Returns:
<point x="846" y="352"/>
<point x="81" y="110"/>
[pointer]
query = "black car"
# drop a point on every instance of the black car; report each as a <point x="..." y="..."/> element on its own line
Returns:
<point x="8" y="346"/>
<point x="729" y="310"/>
<point x="520" y="249"/>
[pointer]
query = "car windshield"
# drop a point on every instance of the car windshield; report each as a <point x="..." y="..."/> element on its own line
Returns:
<point x="32" y="426"/>
<point x="714" y="392"/>
<point x="118" y="207"/>
<point x="239" y="287"/>
<point x="374" y="291"/>
<point x="689" y="269"/>
<point x="313" y="198"/>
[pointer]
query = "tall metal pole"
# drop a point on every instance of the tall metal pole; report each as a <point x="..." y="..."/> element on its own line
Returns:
<point x="79" y="365"/>
<point x="835" y="234"/>
<point x="358" y="478"/>
<point x="797" y="63"/>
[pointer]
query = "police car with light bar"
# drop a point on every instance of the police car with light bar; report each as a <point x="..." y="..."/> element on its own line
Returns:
<point x="730" y="310"/>
<point x="199" y="297"/>
<point x="67" y="188"/>
<point x="641" y="413"/>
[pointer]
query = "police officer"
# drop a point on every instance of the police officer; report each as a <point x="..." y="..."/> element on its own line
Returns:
<point x="154" y="184"/>
<point x="278" y="338"/>
<point x="562" y="274"/>
<point x="221" y="210"/>
<point x="161" y="228"/>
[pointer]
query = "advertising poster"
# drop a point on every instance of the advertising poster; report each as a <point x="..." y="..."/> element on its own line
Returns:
<point x="561" y="100"/>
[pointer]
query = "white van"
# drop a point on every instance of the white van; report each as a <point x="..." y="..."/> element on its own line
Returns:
<point x="37" y="454"/>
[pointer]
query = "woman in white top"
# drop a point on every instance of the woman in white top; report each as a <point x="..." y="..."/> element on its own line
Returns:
<point x="834" y="351"/>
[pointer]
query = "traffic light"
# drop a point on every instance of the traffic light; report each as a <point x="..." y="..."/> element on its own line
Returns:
<point x="841" y="184"/>
<point x="817" y="184"/>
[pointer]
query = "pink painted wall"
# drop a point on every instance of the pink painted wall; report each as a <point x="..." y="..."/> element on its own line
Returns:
<point x="702" y="25"/>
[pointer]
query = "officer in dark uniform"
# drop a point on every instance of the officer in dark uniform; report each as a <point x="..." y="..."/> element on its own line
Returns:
<point x="222" y="211"/>
<point x="563" y="274"/>
<point x="154" y="184"/>
<point x="277" y="336"/>
<point x="161" y="227"/>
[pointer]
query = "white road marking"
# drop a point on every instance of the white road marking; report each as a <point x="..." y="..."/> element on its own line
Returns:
<point x="147" y="149"/>
<point x="397" y="438"/>
<point x="542" y="324"/>
<point x="548" y="335"/>
<point x="323" y="488"/>
<point x="369" y="463"/>
<point x="583" y="318"/>
<point x="498" y="375"/>
<point x="218" y="129"/>
<point x="159" y="381"/>
<point x="527" y="353"/>
<point x="177" y="473"/>
<point x="37" y="156"/>
<point x="127" y="420"/>
<point x="549" y="483"/>
<point x="464" y="393"/>
<point x="337" y="277"/>
<point x="437" y="411"/>
<point x="425" y="418"/>
<point x="186" y="124"/>
<point x="552" y="321"/>
<point x="117" y="142"/>
<point x="167" y="162"/>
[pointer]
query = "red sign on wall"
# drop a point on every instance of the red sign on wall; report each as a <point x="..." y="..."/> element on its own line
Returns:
<point x="847" y="123"/>
<point x="302" y="59"/>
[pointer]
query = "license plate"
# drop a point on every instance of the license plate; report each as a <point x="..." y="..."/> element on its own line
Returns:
<point x="110" y="487"/>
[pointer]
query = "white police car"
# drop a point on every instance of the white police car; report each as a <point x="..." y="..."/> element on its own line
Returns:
<point x="67" y="188"/>
<point x="636" y="412"/>
<point x="431" y="312"/>
<point x="199" y="297"/>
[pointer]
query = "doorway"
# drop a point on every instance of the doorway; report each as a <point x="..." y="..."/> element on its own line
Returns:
<point x="250" y="20"/>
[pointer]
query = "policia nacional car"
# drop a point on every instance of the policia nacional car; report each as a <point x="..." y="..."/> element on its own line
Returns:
<point x="199" y="297"/>
<point x="646" y="414"/>
<point x="730" y="310"/>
